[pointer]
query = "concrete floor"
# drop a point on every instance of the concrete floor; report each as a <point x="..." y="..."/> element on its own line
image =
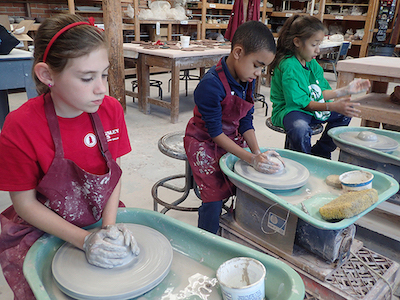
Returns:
<point x="146" y="164"/>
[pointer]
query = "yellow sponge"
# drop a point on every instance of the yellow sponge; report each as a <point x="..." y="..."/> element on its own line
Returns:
<point x="349" y="204"/>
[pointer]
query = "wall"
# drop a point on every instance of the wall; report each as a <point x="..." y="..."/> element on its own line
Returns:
<point x="37" y="10"/>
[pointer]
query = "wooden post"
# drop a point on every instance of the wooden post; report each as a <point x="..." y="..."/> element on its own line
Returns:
<point x="112" y="15"/>
<point x="369" y="27"/>
<point x="136" y="20"/>
<point x="203" y="20"/>
<point x="71" y="6"/>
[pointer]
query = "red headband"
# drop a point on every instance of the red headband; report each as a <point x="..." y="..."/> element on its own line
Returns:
<point x="46" y="52"/>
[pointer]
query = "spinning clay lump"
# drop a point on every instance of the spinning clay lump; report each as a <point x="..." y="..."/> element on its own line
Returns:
<point x="279" y="162"/>
<point x="367" y="136"/>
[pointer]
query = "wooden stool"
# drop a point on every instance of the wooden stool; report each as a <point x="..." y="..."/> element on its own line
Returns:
<point x="171" y="145"/>
<point x="316" y="129"/>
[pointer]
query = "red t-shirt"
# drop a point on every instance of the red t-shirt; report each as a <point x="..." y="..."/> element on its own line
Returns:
<point x="27" y="148"/>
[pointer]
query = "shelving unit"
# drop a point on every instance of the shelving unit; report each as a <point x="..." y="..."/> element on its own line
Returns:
<point x="340" y="17"/>
<point x="222" y="11"/>
<point x="207" y="11"/>
<point x="366" y="21"/>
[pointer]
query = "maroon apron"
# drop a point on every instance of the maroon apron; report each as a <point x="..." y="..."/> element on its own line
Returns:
<point x="237" y="17"/>
<point x="76" y="195"/>
<point x="203" y="153"/>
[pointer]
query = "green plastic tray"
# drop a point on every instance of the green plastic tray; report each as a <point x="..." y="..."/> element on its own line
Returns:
<point x="319" y="169"/>
<point x="204" y="248"/>
<point x="393" y="158"/>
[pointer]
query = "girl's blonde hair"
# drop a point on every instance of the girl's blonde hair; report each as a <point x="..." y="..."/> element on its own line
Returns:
<point x="302" y="27"/>
<point x="75" y="42"/>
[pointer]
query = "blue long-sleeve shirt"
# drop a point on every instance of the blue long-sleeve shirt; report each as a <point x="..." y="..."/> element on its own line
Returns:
<point x="209" y="94"/>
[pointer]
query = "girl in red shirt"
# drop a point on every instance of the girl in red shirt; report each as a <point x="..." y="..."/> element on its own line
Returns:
<point x="60" y="153"/>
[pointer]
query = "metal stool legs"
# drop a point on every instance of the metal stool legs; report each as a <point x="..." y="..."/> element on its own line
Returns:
<point x="153" y="83"/>
<point x="186" y="76"/>
<point x="189" y="184"/>
<point x="171" y="145"/>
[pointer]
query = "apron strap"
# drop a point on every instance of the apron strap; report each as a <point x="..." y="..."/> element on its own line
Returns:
<point x="249" y="94"/>
<point x="222" y="77"/>
<point x="53" y="125"/>
<point x="100" y="133"/>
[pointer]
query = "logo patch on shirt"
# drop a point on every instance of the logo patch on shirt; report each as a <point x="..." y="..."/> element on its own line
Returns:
<point x="112" y="135"/>
<point x="90" y="140"/>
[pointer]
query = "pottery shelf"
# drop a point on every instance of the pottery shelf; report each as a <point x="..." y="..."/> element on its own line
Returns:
<point x="366" y="20"/>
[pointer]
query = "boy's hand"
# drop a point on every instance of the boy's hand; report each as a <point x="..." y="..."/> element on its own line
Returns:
<point x="345" y="107"/>
<point x="262" y="162"/>
<point x="358" y="85"/>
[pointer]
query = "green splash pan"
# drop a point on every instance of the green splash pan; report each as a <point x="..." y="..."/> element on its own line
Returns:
<point x="200" y="247"/>
<point x="319" y="169"/>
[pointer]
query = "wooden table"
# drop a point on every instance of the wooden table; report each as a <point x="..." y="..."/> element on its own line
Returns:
<point x="380" y="70"/>
<point x="174" y="60"/>
<point x="15" y="73"/>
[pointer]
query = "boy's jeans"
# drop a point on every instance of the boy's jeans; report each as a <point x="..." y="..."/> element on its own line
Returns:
<point x="298" y="133"/>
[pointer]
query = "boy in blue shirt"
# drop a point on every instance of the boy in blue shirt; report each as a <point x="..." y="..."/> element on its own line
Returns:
<point x="223" y="119"/>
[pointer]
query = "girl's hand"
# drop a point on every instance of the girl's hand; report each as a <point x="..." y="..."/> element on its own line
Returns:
<point x="345" y="107"/>
<point x="119" y="234"/>
<point x="358" y="85"/>
<point x="102" y="253"/>
<point x="262" y="162"/>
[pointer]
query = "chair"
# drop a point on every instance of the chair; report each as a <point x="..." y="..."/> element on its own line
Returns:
<point x="335" y="57"/>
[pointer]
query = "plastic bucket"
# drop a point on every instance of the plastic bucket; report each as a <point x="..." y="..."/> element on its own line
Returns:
<point x="356" y="180"/>
<point x="185" y="40"/>
<point x="380" y="49"/>
<point x="242" y="278"/>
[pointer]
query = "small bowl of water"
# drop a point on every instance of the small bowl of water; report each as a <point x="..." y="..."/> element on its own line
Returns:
<point x="356" y="180"/>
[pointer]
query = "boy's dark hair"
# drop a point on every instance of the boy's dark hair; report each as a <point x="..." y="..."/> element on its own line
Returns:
<point x="73" y="43"/>
<point x="302" y="27"/>
<point x="254" y="36"/>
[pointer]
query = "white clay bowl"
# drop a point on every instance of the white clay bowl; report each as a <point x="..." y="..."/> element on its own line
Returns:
<point x="356" y="180"/>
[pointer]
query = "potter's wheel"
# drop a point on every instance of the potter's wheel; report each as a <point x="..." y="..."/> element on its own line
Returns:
<point x="293" y="176"/>
<point x="375" y="141"/>
<point x="81" y="280"/>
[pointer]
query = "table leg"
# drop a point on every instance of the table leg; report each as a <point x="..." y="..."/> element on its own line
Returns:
<point x="4" y="107"/>
<point x="202" y="71"/>
<point x="30" y="86"/>
<point x="199" y="37"/>
<point x="344" y="78"/>
<point x="258" y="85"/>
<point x="174" y="93"/>
<point x="143" y="74"/>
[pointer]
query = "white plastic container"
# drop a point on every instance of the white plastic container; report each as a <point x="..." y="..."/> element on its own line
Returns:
<point x="242" y="278"/>
<point x="356" y="180"/>
<point x="185" y="41"/>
